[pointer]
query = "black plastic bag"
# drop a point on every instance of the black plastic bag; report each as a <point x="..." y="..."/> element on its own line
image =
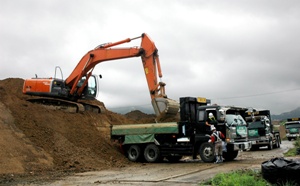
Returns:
<point x="280" y="170"/>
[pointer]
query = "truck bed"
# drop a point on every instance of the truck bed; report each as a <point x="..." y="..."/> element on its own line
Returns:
<point x="139" y="129"/>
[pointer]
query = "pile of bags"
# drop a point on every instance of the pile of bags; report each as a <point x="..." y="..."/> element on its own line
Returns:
<point x="280" y="171"/>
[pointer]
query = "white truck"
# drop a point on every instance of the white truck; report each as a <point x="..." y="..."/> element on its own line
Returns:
<point x="292" y="128"/>
<point x="261" y="130"/>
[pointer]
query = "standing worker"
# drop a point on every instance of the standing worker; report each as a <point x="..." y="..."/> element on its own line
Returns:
<point x="216" y="139"/>
<point x="211" y="122"/>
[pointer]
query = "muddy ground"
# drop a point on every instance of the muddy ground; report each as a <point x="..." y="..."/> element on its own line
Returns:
<point x="40" y="142"/>
<point x="187" y="172"/>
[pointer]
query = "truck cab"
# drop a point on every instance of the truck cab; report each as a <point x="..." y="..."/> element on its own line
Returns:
<point x="261" y="130"/>
<point x="231" y="124"/>
<point x="292" y="128"/>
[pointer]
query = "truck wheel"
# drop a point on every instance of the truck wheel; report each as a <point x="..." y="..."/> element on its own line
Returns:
<point x="278" y="142"/>
<point x="152" y="153"/>
<point x="230" y="155"/>
<point x="206" y="152"/>
<point x="270" y="146"/>
<point x="289" y="139"/>
<point x="134" y="153"/>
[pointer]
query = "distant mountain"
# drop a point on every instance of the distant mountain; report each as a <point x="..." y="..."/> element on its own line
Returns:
<point x="149" y="110"/>
<point x="292" y="114"/>
<point x="125" y="110"/>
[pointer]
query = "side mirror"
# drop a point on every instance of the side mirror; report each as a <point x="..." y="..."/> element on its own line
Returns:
<point x="222" y="112"/>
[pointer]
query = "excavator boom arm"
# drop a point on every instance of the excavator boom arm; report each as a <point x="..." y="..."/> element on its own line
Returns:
<point x="94" y="57"/>
<point x="147" y="51"/>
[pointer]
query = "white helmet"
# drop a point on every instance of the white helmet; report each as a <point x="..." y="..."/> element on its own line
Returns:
<point x="210" y="115"/>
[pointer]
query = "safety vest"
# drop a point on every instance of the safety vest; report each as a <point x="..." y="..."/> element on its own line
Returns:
<point x="212" y="119"/>
<point x="217" y="135"/>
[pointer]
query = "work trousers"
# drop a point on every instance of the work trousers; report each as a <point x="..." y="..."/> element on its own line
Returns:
<point x="218" y="148"/>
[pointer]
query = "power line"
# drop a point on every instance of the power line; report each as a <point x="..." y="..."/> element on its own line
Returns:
<point x="224" y="98"/>
<point x="261" y="94"/>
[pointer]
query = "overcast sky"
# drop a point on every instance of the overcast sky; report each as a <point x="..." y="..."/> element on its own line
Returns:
<point x="242" y="53"/>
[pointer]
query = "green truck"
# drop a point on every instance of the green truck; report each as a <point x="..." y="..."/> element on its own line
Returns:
<point x="292" y="128"/>
<point x="261" y="130"/>
<point x="188" y="137"/>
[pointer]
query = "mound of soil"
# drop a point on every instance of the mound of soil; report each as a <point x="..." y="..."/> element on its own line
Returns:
<point x="37" y="140"/>
<point x="140" y="116"/>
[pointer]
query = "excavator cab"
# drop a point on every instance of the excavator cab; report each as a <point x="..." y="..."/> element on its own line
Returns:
<point x="92" y="89"/>
<point x="54" y="87"/>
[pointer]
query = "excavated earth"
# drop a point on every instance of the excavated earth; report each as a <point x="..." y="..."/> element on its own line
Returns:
<point x="38" y="143"/>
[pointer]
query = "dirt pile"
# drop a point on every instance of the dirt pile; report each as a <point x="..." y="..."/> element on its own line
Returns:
<point x="35" y="139"/>
<point x="140" y="116"/>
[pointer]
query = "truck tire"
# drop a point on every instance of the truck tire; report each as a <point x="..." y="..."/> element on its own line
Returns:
<point x="206" y="152"/>
<point x="230" y="155"/>
<point x="152" y="153"/>
<point x="134" y="153"/>
<point x="277" y="142"/>
<point x="270" y="146"/>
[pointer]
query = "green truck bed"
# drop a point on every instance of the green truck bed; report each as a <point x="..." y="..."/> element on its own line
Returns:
<point x="142" y="133"/>
<point x="151" y="128"/>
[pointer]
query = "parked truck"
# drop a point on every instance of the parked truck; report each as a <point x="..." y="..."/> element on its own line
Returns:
<point x="188" y="137"/>
<point x="261" y="130"/>
<point x="292" y="128"/>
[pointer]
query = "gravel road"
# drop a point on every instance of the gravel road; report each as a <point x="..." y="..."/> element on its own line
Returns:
<point x="186" y="172"/>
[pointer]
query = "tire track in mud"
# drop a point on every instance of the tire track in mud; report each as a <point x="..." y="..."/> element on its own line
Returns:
<point x="186" y="172"/>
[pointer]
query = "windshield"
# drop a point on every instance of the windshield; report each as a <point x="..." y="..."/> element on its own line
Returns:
<point x="92" y="86"/>
<point x="232" y="119"/>
<point x="256" y="125"/>
<point x="292" y="125"/>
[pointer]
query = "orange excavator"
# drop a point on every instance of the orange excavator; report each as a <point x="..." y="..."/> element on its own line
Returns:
<point x="83" y="85"/>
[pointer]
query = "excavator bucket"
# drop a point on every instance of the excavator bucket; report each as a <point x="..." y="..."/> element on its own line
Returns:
<point x="165" y="108"/>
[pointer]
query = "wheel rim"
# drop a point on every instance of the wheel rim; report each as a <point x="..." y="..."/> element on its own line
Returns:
<point x="207" y="152"/>
<point x="133" y="153"/>
<point x="151" y="153"/>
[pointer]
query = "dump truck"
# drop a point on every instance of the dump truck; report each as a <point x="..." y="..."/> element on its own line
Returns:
<point x="188" y="137"/>
<point x="261" y="130"/>
<point x="292" y="128"/>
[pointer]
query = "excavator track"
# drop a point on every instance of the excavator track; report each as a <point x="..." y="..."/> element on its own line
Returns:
<point x="67" y="106"/>
<point x="91" y="107"/>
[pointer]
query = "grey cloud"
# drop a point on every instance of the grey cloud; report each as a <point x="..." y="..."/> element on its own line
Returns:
<point x="237" y="53"/>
